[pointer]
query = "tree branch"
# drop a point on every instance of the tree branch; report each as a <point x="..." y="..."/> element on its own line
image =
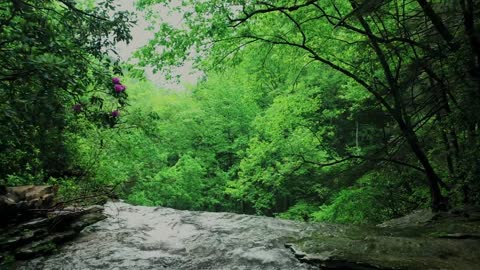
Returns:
<point x="271" y="8"/>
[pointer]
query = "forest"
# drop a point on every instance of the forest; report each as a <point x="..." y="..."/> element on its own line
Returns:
<point x="350" y="111"/>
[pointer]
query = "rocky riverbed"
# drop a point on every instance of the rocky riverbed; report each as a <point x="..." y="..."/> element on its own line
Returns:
<point x="136" y="237"/>
<point x="32" y="224"/>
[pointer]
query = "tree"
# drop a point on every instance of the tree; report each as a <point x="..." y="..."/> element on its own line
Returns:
<point x="404" y="54"/>
<point x="54" y="68"/>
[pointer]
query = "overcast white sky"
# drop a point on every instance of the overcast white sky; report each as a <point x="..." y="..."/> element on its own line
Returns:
<point x="141" y="37"/>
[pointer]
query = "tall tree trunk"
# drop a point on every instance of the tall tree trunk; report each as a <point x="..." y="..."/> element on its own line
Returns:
<point x="438" y="23"/>
<point x="438" y="88"/>
<point x="469" y="23"/>
<point x="469" y="9"/>
<point x="439" y="202"/>
<point x="442" y="98"/>
<point x="399" y="113"/>
<point x="448" y="148"/>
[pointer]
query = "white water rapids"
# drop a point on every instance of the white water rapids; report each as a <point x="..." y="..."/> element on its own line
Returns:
<point x="138" y="237"/>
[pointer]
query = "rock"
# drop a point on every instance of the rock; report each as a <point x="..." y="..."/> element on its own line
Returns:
<point x="20" y="201"/>
<point x="76" y="218"/>
<point x="30" y="228"/>
<point x="31" y="192"/>
<point x="143" y="238"/>
<point x="34" y="223"/>
<point x="43" y="235"/>
<point x="35" y="197"/>
<point x="6" y="204"/>
<point x="86" y="220"/>
<point x="461" y="236"/>
<point x="418" y="217"/>
<point x="421" y="240"/>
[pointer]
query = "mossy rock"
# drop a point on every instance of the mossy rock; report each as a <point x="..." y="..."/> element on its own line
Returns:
<point x="7" y="260"/>
<point x="45" y="246"/>
<point x="440" y="244"/>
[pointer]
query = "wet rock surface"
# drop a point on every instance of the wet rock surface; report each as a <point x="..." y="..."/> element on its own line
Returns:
<point x="42" y="235"/>
<point x="422" y="240"/>
<point x="31" y="225"/>
<point x="135" y="237"/>
<point x="16" y="203"/>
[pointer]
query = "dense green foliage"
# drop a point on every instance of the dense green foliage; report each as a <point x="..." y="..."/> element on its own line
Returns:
<point x="54" y="72"/>
<point x="368" y="109"/>
<point x="353" y="111"/>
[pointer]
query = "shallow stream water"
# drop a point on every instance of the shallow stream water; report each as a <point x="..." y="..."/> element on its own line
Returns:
<point x="139" y="237"/>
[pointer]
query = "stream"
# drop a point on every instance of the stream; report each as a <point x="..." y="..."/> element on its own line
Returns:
<point x="139" y="237"/>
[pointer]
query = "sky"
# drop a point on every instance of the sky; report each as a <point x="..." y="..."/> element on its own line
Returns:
<point x="141" y="36"/>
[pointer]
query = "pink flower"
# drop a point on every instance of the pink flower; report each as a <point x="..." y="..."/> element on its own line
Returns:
<point x="119" y="88"/>
<point x="116" y="80"/>
<point x="115" y="113"/>
<point x="77" y="108"/>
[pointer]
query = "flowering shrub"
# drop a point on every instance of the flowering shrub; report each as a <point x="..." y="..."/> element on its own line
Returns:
<point x="116" y="80"/>
<point x="117" y="86"/>
<point x="77" y="108"/>
<point x="107" y="118"/>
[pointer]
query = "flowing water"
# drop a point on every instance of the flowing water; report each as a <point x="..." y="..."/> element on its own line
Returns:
<point x="138" y="237"/>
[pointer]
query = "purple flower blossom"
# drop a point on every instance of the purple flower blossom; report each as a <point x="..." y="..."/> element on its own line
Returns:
<point x="115" y="113"/>
<point x="119" y="88"/>
<point x="116" y="80"/>
<point x="77" y="108"/>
